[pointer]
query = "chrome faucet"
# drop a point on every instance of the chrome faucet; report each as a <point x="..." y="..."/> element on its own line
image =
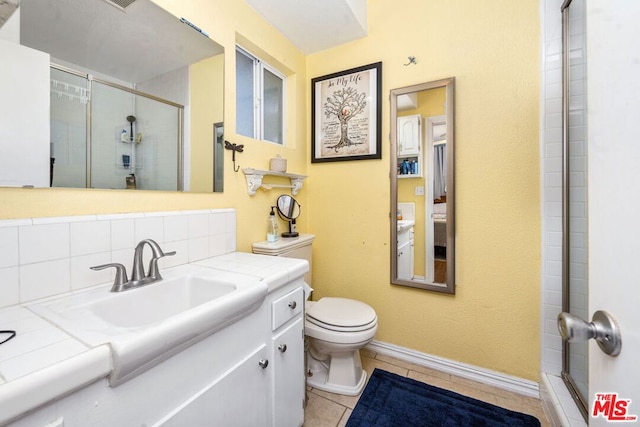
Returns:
<point x="138" y="277"/>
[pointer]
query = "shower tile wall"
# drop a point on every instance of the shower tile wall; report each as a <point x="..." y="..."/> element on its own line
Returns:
<point x="172" y="86"/>
<point x="578" y="284"/>
<point x="552" y="185"/>
<point x="68" y="98"/>
<point x="42" y="257"/>
<point x="154" y="160"/>
<point x="551" y="167"/>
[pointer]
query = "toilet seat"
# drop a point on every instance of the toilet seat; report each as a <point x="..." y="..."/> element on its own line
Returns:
<point x="341" y="315"/>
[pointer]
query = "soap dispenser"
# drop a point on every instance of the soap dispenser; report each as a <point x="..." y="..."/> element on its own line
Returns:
<point x="272" y="227"/>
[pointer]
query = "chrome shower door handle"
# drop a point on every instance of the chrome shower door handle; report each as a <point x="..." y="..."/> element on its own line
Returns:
<point x="603" y="328"/>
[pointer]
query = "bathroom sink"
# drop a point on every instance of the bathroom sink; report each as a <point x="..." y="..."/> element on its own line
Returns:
<point x="159" y="301"/>
<point x="147" y="325"/>
<point x="404" y="225"/>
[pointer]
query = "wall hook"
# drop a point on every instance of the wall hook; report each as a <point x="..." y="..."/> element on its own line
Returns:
<point x="234" y="148"/>
<point x="412" y="60"/>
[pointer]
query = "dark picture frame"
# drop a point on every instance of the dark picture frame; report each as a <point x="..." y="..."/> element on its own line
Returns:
<point x="346" y="115"/>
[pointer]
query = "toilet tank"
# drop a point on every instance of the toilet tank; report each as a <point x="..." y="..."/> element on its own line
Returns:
<point x="291" y="247"/>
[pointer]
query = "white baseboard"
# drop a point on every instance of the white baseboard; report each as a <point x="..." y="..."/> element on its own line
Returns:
<point x="482" y="375"/>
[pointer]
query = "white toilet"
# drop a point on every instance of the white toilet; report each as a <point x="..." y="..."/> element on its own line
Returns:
<point x="336" y="328"/>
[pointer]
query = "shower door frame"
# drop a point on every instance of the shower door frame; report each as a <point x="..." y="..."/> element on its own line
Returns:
<point x="90" y="79"/>
<point x="568" y="380"/>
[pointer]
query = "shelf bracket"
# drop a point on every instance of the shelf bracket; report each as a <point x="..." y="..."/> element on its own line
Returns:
<point x="255" y="180"/>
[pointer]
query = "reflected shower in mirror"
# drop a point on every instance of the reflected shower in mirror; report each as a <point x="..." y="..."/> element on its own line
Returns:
<point x="422" y="186"/>
<point x="153" y="65"/>
<point x="289" y="210"/>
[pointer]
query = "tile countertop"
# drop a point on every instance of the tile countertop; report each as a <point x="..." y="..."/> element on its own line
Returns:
<point x="43" y="357"/>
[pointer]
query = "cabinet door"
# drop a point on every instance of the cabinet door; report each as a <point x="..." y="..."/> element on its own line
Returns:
<point x="409" y="136"/>
<point x="24" y="111"/>
<point x="289" y="379"/>
<point x="405" y="261"/>
<point x="239" y="397"/>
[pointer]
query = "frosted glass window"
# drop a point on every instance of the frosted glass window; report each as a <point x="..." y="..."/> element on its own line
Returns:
<point x="260" y="92"/>
<point x="244" y="94"/>
<point x="273" y="107"/>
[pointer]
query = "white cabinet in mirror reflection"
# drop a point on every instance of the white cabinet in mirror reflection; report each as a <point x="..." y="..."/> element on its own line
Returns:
<point x="409" y="136"/>
<point x="405" y="254"/>
<point x="409" y="147"/>
<point x="405" y="238"/>
<point x="24" y="117"/>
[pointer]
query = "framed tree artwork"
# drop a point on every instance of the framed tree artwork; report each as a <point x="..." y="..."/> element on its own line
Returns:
<point x="346" y="115"/>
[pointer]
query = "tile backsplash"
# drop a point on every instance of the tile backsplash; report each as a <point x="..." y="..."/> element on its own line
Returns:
<point x="42" y="257"/>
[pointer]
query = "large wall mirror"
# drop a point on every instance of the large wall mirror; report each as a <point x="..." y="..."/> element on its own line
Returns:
<point x="136" y="95"/>
<point x="422" y="186"/>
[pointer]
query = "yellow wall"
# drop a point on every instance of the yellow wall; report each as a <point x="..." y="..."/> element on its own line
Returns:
<point x="225" y="22"/>
<point x="491" y="48"/>
<point x="206" y="78"/>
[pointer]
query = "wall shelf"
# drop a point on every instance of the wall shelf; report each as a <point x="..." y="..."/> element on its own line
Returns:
<point x="255" y="176"/>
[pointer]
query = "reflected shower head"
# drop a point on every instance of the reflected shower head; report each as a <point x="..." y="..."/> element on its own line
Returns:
<point x="131" y="119"/>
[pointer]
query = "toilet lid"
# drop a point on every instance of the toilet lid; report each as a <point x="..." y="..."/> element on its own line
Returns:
<point x="341" y="314"/>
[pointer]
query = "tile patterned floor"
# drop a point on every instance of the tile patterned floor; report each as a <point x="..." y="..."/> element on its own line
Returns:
<point x="333" y="410"/>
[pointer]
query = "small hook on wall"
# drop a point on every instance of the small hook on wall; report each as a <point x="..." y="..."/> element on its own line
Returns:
<point x="412" y="60"/>
<point x="234" y="148"/>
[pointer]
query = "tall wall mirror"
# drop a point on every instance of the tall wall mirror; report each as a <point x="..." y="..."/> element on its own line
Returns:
<point x="136" y="95"/>
<point x="423" y="187"/>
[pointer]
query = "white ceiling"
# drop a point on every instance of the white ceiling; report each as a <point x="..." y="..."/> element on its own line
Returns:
<point x="133" y="44"/>
<point x="143" y="40"/>
<point x="315" y="25"/>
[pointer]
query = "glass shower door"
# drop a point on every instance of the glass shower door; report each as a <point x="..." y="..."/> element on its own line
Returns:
<point x="68" y="126"/>
<point x="104" y="135"/>
<point x="135" y="140"/>
<point x="575" y="279"/>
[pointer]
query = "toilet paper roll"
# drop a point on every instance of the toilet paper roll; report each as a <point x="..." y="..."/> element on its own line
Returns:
<point x="307" y="291"/>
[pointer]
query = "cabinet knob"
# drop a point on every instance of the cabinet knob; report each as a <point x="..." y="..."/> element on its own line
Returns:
<point x="292" y="305"/>
<point x="282" y="348"/>
<point x="263" y="363"/>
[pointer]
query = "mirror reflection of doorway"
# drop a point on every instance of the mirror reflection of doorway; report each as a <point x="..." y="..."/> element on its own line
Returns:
<point x="423" y="195"/>
<point x="422" y="187"/>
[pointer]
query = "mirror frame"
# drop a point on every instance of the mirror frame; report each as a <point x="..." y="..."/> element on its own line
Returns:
<point x="449" y="85"/>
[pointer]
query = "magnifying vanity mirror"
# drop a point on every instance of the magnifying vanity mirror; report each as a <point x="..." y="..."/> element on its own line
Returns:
<point x="289" y="210"/>
<point x="136" y="96"/>
<point x="422" y="186"/>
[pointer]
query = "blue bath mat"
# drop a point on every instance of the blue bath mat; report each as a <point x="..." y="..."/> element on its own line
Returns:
<point x="390" y="400"/>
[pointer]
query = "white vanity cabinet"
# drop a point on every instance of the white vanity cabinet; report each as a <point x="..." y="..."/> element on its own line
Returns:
<point x="239" y="397"/>
<point x="266" y="387"/>
<point x="250" y="373"/>
<point x="287" y="344"/>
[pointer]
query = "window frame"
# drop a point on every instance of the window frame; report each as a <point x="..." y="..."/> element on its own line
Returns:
<point x="259" y="67"/>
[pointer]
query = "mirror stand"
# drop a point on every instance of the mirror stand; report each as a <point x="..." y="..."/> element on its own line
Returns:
<point x="289" y="210"/>
<point x="292" y="230"/>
